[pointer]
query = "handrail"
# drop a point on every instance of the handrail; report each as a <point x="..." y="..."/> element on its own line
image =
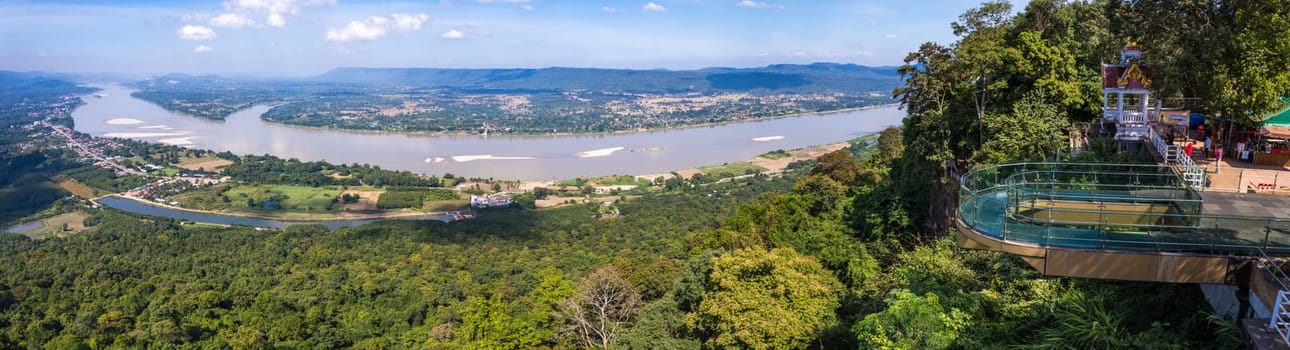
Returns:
<point x="998" y="202"/>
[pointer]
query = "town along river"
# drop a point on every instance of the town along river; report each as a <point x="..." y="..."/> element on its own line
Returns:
<point x="115" y="114"/>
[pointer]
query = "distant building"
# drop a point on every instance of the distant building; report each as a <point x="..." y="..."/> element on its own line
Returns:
<point x="499" y="199"/>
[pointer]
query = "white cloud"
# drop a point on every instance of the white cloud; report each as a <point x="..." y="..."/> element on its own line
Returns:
<point x="202" y="49"/>
<point x="276" y="11"/>
<point x="232" y="20"/>
<point x="652" y="7"/>
<point x="758" y="5"/>
<point x="192" y="32"/>
<point x="505" y="1"/>
<point x="276" y="20"/>
<point x="406" y="22"/>
<point x="608" y="9"/>
<point x="890" y="36"/>
<point x="452" y="34"/>
<point x="376" y="27"/>
<point x="526" y="7"/>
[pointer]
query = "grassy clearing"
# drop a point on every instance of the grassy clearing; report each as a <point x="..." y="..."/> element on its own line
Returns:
<point x="436" y="206"/>
<point x="611" y="180"/>
<point x="203" y="163"/>
<point x="53" y="226"/>
<point x="731" y="169"/>
<point x="289" y="197"/>
<point x="76" y="188"/>
<point x="367" y="199"/>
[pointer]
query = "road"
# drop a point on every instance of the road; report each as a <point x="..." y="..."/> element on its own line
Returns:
<point x="85" y="151"/>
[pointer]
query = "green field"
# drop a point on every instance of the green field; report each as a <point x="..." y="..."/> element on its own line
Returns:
<point x="731" y="169"/>
<point x="623" y="180"/>
<point x="445" y="205"/>
<point x="290" y="197"/>
<point x="53" y="226"/>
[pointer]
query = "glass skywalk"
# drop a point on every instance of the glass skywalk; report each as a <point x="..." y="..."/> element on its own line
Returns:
<point x="1123" y="207"/>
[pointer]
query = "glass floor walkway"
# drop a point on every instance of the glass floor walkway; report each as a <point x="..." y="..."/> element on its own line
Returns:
<point x="1119" y="207"/>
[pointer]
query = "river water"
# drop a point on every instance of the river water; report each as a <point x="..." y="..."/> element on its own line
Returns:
<point x="115" y="113"/>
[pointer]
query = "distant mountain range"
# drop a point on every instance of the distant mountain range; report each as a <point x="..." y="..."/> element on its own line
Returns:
<point x="818" y="77"/>
<point x="16" y="86"/>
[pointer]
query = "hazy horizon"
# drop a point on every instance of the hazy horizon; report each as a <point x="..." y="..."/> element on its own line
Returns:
<point x="296" y="38"/>
<point x="306" y="75"/>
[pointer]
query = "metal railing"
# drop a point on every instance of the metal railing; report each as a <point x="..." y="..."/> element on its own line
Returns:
<point x="1111" y="206"/>
<point x="1174" y="156"/>
<point x="1280" y="320"/>
<point x="1127" y="116"/>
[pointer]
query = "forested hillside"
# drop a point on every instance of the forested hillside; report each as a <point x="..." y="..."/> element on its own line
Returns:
<point x="754" y="264"/>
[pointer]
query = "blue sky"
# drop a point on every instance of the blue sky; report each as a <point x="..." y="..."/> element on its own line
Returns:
<point x="305" y="37"/>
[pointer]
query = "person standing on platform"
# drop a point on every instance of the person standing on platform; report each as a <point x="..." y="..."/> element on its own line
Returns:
<point x="1188" y="149"/>
<point x="1200" y="131"/>
<point x="1240" y="151"/>
<point x="1218" y="158"/>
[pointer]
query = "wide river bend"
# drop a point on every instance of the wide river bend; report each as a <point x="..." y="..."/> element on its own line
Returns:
<point x="112" y="112"/>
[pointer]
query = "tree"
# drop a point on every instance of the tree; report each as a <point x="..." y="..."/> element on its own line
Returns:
<point x="1033" y="131"/>
<point x="766" y="300"/>
<point x="541" y="192"/>
<point x="839" y="166"/>
<point x="890" y="145"/>
<point x="488" y="323"/>
<point x="911" y="322"/>
<point x="827" y="197"/>
<point x="599" y="309"/>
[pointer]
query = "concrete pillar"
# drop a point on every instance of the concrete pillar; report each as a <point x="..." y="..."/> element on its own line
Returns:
<point x="1143" y="104"/>
<point x="1119" y="107"/>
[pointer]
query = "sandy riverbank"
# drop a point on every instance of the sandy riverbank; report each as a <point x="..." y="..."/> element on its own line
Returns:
<point x="178" y="141"/>
<point x="768" y="138"/>
<point x="122" y="121"/>
<point x="470" y="158"/>
<point x="143" y="134"/>
<point x="599" y="152"/>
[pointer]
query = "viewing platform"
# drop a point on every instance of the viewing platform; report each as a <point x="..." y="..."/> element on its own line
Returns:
<point x="1119" y="221"/>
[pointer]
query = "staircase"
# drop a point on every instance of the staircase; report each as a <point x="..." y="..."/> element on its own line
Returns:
<point x="1280" y="321"/>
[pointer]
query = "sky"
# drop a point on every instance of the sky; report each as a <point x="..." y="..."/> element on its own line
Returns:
<point x="308" y="37"/>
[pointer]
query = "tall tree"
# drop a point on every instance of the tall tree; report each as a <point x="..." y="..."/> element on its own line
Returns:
<point x="600" y="308"/>
<point x="766" y="300"/>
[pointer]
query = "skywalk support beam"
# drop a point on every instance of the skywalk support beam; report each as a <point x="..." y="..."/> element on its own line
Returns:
<point x="1104" y="264"/>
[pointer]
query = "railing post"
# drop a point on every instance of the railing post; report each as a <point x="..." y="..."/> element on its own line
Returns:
<point x="1267" y="234"/>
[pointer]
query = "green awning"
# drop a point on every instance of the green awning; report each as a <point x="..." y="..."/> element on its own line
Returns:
<point x="1279" y="118"/>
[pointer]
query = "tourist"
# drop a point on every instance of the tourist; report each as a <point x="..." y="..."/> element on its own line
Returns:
<point x="1218" y="155"/>
<point x="1200" y="131"/>
<point x="1240" y="151"/>
<point x="1188" y="148"/>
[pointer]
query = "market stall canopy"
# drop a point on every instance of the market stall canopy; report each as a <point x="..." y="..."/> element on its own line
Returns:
<point x="1277" y="124"/>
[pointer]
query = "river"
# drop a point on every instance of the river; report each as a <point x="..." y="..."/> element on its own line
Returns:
<point x="115" y="113"/>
